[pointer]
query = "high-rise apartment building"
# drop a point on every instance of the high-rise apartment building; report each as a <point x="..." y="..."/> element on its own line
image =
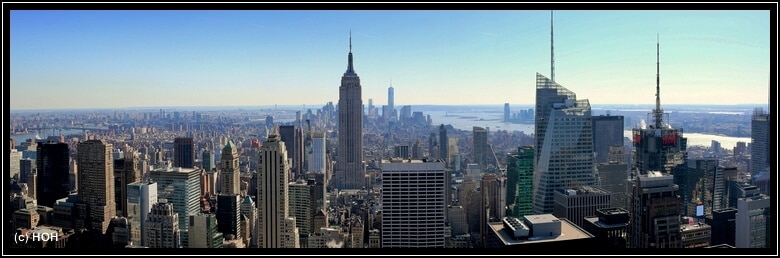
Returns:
<point x="96" y="204"/>
<point x="52" y="162"/>
<point x="350" y="171"/>
<point x="184" y="153"/>
<point x="273" y="216"/>
<point x="413" y="203"/>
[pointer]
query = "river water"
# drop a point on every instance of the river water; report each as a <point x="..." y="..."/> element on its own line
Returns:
<point x="467" y="120"/>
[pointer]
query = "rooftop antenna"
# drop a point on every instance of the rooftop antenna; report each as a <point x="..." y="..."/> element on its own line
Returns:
<point x="658" y="112"/>
<point x="552" y="52"/>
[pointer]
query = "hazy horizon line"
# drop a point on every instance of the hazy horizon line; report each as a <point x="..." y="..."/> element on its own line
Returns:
<point x="318" y="106"/>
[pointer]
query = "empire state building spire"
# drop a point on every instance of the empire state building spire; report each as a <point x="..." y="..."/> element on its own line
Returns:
<point x="350" y="70"/>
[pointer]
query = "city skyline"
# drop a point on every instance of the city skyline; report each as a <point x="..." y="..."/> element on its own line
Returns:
<point x="119" y="59"/>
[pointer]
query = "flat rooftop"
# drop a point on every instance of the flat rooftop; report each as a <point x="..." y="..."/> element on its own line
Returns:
<point x="568" y="232"/>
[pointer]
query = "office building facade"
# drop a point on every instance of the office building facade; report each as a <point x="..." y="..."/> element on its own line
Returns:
<point x="413" y="204"/>
<point x="564" y="143"/>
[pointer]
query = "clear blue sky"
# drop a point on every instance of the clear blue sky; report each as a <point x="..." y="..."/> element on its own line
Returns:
<point x="118" y="59"/>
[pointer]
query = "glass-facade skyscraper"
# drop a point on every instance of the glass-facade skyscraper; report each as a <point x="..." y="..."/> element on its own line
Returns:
<point x="564" y="143"/>
<point x="519" y="182"/>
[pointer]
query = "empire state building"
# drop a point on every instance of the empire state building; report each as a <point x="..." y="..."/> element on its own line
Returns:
<point x="349" y="166"/>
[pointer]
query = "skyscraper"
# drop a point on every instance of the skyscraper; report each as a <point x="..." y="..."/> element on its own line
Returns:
<point x="564" y="139"/>
<point x="141" y="196"/>
<point x="181" y="188"/>
<point x="564" y="143"/>
<point x="318" y="150"/>
<point x="480" y="146"/>
<point x="760" y="135"/>
<point x="607" y="132"/>
<point x="287" y="134"/>
<point x="53" y="164"/>
<point x="229" y="199"/>
<point x="229" y="170"/>
<point x="96" y="204"/>
<point x="300" y="205"/>
<point x="390" y="93"/>
<point x="125" y="172"/>
<point x="162" y="227"/>
<point x="443" y="150"/>
<point x="655" y="217"/>
<point x="203" y="232"/>
<point x="274" y="230"/>
<point x="577" y="203"/>
<point x="349" y="172"/>
<point x="413" y="203"/>
<point x="658" y="146"/>
<point x="519" y="182"/>
<point x="753" y="222"/>
<point x="184" y="151"/>
<point x="207" y="160"/>
<point x="507" y="114"/>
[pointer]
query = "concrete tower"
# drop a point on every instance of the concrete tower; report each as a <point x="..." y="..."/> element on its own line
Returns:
<point x="96" y="204"/>
<point x="274" y="228"/>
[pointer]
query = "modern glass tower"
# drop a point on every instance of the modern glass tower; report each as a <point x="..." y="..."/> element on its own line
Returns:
<point x="564" y="143"/>
<point x="349" y="171"/>
<point x="53" y="166"/>
<point x="184" y="151"/>
<point x="519" y="182"/>
<point x="563" y="140"/>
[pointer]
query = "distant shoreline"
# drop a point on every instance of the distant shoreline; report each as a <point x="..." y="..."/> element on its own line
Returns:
<point x="497" y="107"/>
